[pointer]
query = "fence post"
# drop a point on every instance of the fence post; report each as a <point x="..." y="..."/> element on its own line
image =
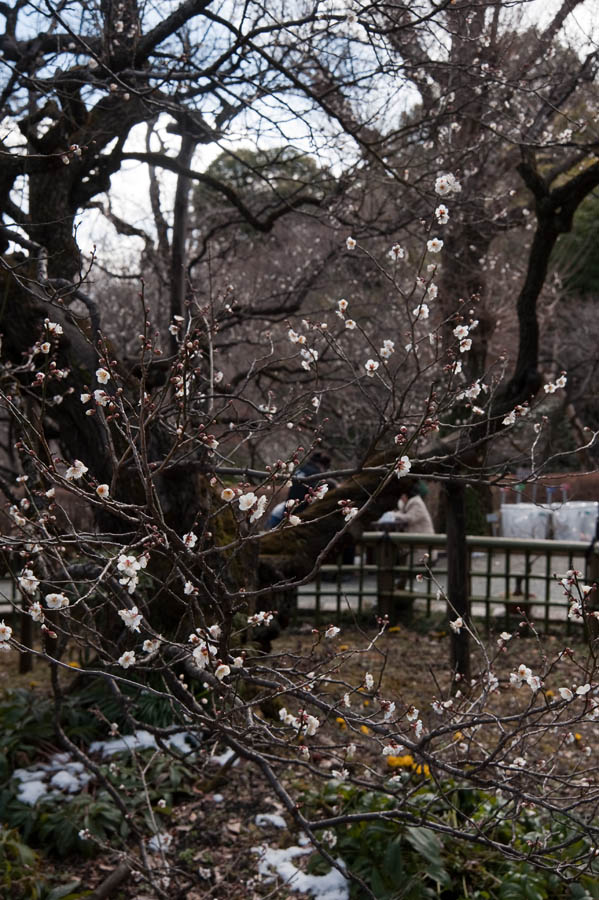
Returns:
<point x="592" y="577"/>
<point x="385" y="557"/>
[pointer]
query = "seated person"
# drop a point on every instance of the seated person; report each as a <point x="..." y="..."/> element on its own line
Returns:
<point x="412" y="515"/>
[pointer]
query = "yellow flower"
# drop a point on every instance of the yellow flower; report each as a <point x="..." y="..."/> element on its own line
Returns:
<point x="422" y="770"/>
<point x="578" y="737"/>
<point x="344" y="647"/>
<point x="400" y="762"/>
<point x="341" y="722"/>
<point x="458" y="736"/>
<point x="74" y="664"/>
<point x="549" y="694"/>
<point x="366" y="703"/>
<point x="365" y="729"/>
<point x="393" y="629"/>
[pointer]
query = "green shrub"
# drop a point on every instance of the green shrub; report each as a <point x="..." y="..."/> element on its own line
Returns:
<point x="409" y="862"/>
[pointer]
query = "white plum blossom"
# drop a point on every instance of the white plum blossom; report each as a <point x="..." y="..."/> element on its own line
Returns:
<point x="131" y="617"/>
<point x="369" y="681"/>
<point x="402" y="466"/>
<point x="350" y="324"/>
<point x="583" y="689"/>
<point x="221" y="671"/>
<point x="566" y="694"/>
<point x="396" y="252"/>
<point x="188" y="588"/>
<point x="551" y="387"/>
<point x="421" y="311"/>
<point x="246" y="501"/>
<point x="350" y="512"/>
<point x="447" y="184"/>
<point x="388" y="708"/>
<point x="103" y="375"/>
<point x="28" y="582"/>
<point x="190" y="540"/>
<point x="201" y="655"/>
<point x="315" y="401"/>
<point x="371" y="365"/>
<point x="260" y="508"/>
<point x="442" y="214"/>
<point x="227" y="494"/>
<point x="5" y="632"/>
<point x="309" y="357"/>
<point x="331" y="632"/>
<point x="76" y="471"/>
<point x="294" y="520"/>
<point x="150" y="645"/>
<point x="456" y="625"/>
<point x="350" y="243"/>
<point x="129" y="567"/>
<point x="261" y="618"/>
<point x="465" y="345"/>
<point x="461" y="331"/>
<point x="435" y="245"/>
<point x="321" y="491"/>
<point x="53" y="327"/>
<point x="387" y="349"/>
<point x="293" y="336"/>
<point x="101" y="398"/>
<point x="103" y="491"/>
<point x="127" y="659"/>
<point x="36" y="612"/>
<point x="56" y="601"/>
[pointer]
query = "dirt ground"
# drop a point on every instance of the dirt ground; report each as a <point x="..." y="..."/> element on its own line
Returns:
<point x="214" y="833"/>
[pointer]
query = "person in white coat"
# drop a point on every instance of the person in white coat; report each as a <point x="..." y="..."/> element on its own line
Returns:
<point x="412" y="515"/>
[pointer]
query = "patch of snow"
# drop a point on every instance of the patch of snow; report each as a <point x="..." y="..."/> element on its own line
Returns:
<point x="33" y="774"/>
<point x="141" y="740"/>
<point x="219" y="759"/>
<point x="272" y="862"/>
<point x="31" y="791"/>
<point x="65" y="781"/>
<point x="61" y="773"/>
<point x="270" y="819"/>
